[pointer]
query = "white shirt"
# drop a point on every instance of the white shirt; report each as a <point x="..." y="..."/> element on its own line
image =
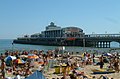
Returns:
<point x="17" y="77"/>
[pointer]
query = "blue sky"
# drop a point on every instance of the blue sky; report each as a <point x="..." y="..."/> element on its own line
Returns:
<point x="19" y="17"/>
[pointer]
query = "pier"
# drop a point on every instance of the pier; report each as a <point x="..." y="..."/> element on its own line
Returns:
<point x="69" y="36"/>
<point x="102" y="40"/>
<point x="90" y="40"/>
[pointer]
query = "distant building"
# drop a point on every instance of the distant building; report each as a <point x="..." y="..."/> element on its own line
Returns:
<point x="55" y="31"/>
<point x="73" y="32"/>
<point x="52" y="31"/>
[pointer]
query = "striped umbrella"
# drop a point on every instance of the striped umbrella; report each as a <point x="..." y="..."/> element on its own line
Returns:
<point x="20" y="61"/>
<point x="32" y="56"/>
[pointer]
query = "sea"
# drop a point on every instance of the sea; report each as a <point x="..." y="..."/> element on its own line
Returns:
<point x="6" y="44"/>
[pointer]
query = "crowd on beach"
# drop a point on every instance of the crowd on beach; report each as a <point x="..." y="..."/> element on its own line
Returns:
<point x="71" y="67"/>
<point x="23" y="68"/>
<point x="89" y="59"/>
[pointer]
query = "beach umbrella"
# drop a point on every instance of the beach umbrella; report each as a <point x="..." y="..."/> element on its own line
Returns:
<point x="10" y="58"/>
<point x="32" y="56"/>
<point x="20" y="61"/>
<point x="107" y="54"/>
<point x="23" y="56"/>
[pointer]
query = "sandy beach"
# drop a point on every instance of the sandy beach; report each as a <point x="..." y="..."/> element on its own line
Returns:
<point x="56" y="66"/>
<point x="87" y="71"/>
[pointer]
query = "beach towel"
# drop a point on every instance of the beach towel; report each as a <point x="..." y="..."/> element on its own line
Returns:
<point x="36" y="75"/>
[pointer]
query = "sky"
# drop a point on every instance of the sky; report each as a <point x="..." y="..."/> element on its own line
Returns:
<point x="20" y="17"/>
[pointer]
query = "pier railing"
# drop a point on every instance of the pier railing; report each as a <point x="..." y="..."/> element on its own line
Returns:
<point x="102" y="35"/>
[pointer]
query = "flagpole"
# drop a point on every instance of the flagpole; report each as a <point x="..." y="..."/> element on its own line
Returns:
<point x="84" y="44"/>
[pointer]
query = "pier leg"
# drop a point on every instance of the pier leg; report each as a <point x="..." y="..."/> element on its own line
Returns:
<point x="109" y="44"/>
<point x="106" y="45"/>
<point x="103" y="46"/>
<point x="100" y="44"/>
<point x="96" y="44"/>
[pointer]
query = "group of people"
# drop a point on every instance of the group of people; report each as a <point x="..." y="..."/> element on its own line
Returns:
<point x="72" y="63"/>
<point x="112" y="59"/>
<point x="23" y="69"/>
<point x="115" y="62"/>
<point x="90" y="59"/>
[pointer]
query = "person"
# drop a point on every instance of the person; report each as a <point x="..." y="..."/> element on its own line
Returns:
<point x="28" y="72"/>
<point x="3" y="65"/>
<point x="40" y="68"/>
<point x="72" y="76"/>
<point x="101" y="62"/>
<point x="116" y="65"/>
<point x="110" y="62"/>
<point x="93" y="58"/>
<point x="72" y="53"/>
<point x="17" y="76"/>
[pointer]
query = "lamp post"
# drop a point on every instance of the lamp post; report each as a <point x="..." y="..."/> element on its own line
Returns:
<point x="84" y="44"/>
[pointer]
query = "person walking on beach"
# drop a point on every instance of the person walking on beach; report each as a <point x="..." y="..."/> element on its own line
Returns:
<point x="101" y="62"/>
<point x="93" y="58"/>
<point x="3" y="65"/>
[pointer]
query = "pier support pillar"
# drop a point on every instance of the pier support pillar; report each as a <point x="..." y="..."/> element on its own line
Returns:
<point x="100" y="44"/>
<point x="96" y="44"/>
<point x="103" y="44"/>
<point x="109" y="44"/>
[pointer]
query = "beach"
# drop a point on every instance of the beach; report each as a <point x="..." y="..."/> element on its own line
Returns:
<point x="53" y="64"/>
<point x="49" y="72"/>
<point x="88" y="72"/>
